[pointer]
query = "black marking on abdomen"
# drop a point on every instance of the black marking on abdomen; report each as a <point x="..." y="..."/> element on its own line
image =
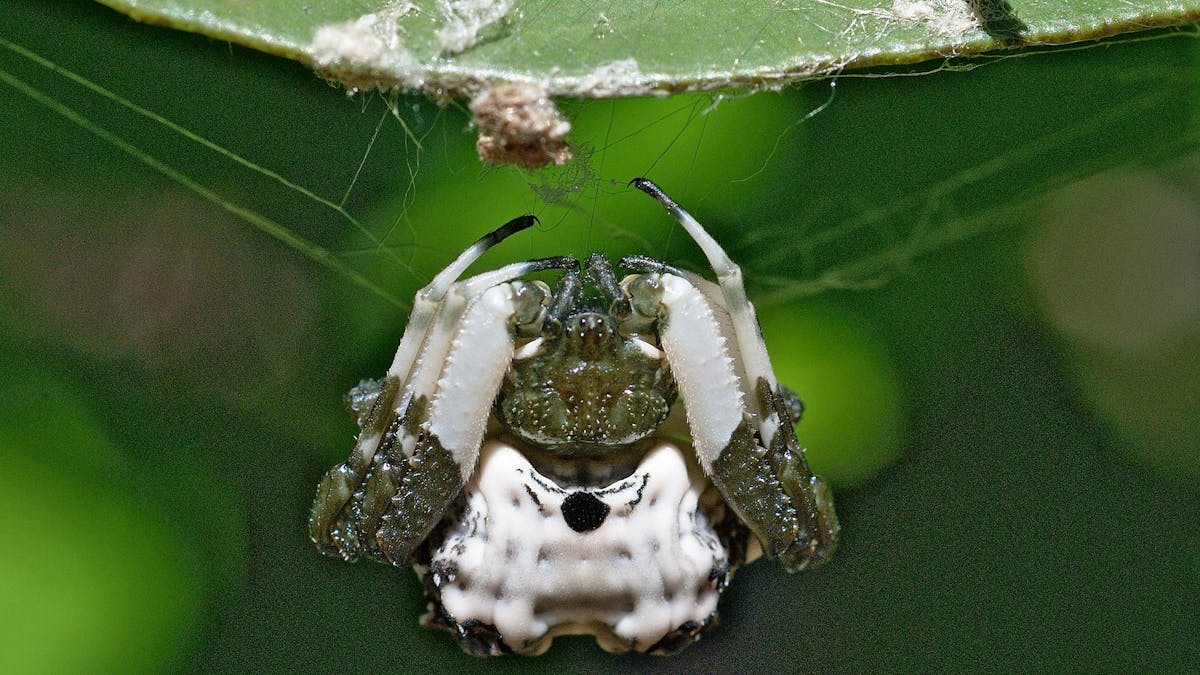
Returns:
<point x="583" y="511"/>
<point x="533" y="497"/>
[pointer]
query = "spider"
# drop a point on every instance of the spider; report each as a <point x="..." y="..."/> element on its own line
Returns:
<point x="525" y="454"/>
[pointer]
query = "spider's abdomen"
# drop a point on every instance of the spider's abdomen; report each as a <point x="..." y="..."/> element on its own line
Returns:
<point x="516" y="567"/>
<point x="587" y="390"/>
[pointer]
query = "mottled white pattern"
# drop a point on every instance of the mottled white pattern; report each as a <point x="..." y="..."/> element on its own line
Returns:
<point x="374" y="39"/>
<point x="514" y="563"/>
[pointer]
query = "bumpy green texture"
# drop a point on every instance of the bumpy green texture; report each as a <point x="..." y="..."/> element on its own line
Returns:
<point x="588" y="49"/>
<point x="775" y="493"/>
<point x="590" y="391"/>
<point x="334" y="523"/>
<point x="383" y="508"/>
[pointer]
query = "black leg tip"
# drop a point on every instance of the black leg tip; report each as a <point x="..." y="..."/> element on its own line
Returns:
<point x="517" y="224"/>
<point x="646" y="185"/>
<point x="508" y="229"/>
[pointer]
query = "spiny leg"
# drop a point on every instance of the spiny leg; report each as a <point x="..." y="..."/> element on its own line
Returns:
<point x="722" y="438"/>
<point x="743" y="460"/>
<point x="791" y="515"/>
<point x="409" y="475"/>
<point x="449" y="439"/>
<point x="729" y="276"/>
<point x="404" y="462"/>
<point x="330" y="524"/>
<point x="360" y="519"/>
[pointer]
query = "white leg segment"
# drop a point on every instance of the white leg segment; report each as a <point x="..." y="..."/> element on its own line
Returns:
<point x="703" y="368"/>
<point x="716" y="300"/>
<point x="745" y="324"/>
<point x="474" y="367"/>
<point x="432" y="356"/>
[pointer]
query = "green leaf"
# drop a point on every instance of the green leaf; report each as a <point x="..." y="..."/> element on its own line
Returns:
<point x="580" y="48"/>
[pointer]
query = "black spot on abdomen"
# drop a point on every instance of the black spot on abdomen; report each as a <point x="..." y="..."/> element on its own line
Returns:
<point x="583" y="511"/>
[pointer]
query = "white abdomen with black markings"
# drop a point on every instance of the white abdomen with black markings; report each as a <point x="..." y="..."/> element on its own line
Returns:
<point x="632" y="562"/>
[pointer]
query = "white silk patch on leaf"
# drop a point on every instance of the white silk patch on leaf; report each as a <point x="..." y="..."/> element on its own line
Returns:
<point x="948" y="18"/>
<point x="622" y="77"/>
<point x="466" y="20"/>
<point x="372" y="40"/>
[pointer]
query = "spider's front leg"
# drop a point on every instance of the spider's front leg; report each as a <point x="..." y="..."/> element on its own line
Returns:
<point x="767" y="483"/>
<point x="419" y="440"/>
<point x="453" y="424"/>
<point x="739" y="416"/>
<point x="428" y="449"/>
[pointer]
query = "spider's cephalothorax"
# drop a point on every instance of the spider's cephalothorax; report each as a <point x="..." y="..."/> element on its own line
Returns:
<point x="585" y="387"/>
<point x="523" y="452"/>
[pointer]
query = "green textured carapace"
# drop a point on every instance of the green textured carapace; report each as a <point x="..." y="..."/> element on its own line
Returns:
<point x="590" y="390"/>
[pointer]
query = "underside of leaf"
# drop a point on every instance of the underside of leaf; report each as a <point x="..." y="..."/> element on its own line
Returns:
<point x="580" y="48"/>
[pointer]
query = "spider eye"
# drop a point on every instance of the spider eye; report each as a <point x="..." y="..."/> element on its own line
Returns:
<point x="590" y="334"/>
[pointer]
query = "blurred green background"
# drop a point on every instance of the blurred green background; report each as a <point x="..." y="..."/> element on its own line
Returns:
<point x="984" y="281"/>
